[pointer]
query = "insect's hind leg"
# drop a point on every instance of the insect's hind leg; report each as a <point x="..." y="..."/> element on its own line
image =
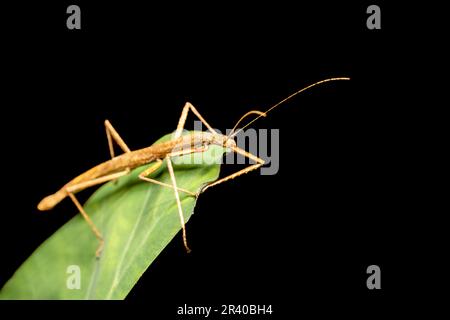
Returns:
<point x="93" y="227"/>
<point x="112" y="134"/>
<point x="70" y="190"/>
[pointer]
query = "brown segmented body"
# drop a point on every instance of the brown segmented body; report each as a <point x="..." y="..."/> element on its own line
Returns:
<point x="133" y="160"/>
<point x="194" y="142"/>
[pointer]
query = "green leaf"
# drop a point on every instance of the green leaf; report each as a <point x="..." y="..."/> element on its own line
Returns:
<point x="137" y="219"/>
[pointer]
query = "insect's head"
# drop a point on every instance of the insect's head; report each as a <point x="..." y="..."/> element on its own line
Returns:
<point x="221" y="140"/>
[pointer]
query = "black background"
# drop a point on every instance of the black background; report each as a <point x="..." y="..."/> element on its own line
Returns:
<point x="299" y="240"/>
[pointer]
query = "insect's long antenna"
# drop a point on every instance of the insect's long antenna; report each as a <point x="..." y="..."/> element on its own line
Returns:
<point x="260" y="113"/>
<point x="263" y="114"/>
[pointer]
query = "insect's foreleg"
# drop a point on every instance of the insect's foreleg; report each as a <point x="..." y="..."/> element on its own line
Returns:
<point x="112" y="134"/>
<point x="183" y="117"/>
<point x="259" y="163"/>
<point x="81" y="186"/>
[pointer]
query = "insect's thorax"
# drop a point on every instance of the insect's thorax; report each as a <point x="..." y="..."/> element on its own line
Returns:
<point x="161" y="150"/>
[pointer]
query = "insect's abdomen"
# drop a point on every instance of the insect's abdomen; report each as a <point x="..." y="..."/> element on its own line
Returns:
<point x="51" y="201"/>
<point x="122" y="162"/>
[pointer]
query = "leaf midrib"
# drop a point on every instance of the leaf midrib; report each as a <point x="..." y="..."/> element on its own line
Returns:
<point x="115" y="280"/>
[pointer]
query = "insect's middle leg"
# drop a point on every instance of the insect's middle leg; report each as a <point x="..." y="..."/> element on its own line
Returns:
<point x="144" y="174"/>
<point x="177" y="198"/>
<point x="173" y="186"/>
<point x="183" y="117"/>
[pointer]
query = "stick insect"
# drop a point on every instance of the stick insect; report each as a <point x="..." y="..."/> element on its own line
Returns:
<point x="179" y="145"/>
